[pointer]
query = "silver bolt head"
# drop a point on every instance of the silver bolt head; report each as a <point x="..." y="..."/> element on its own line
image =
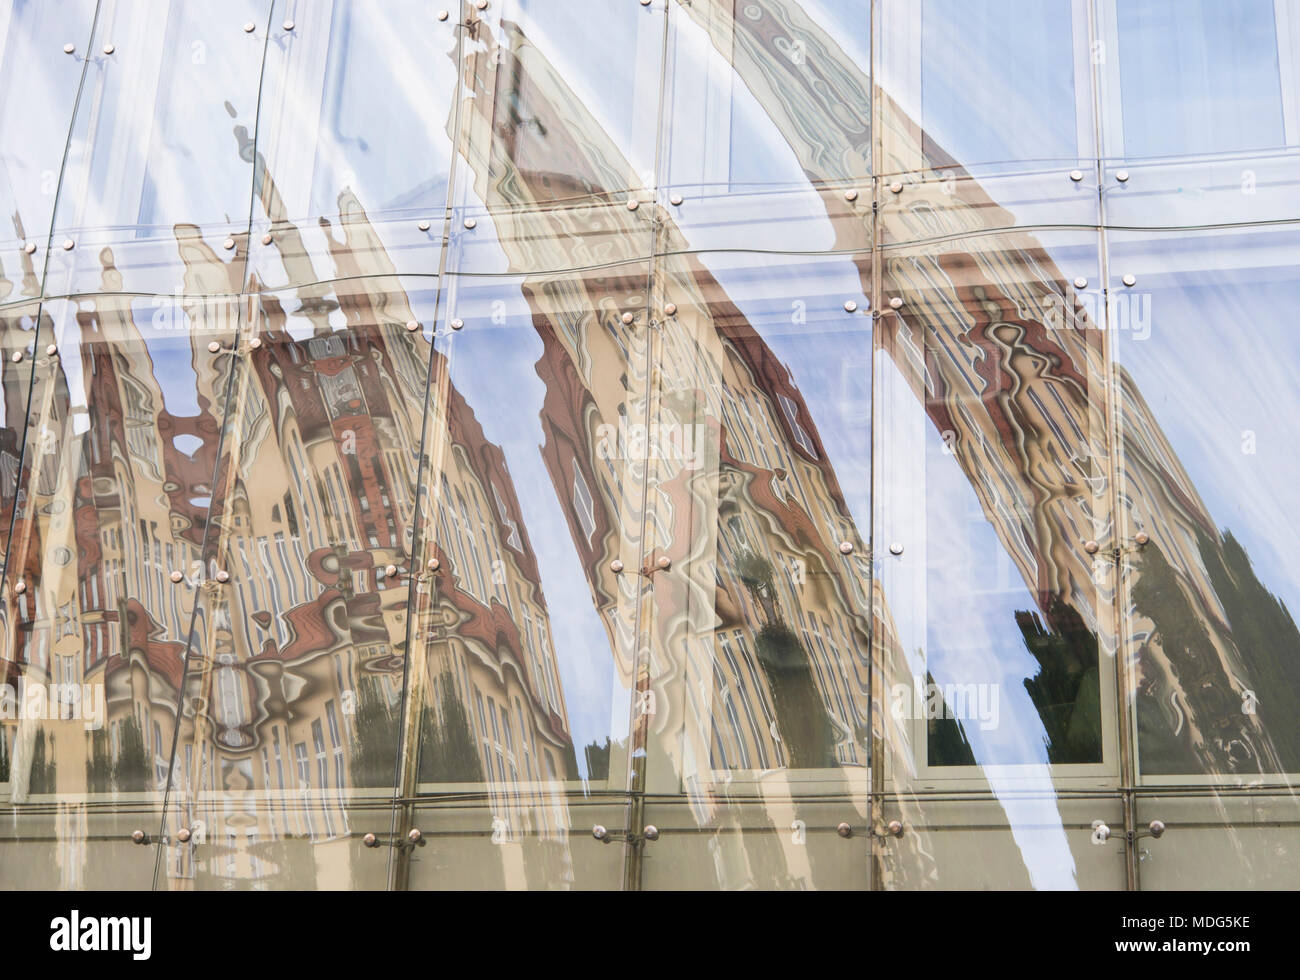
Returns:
<point x="896" y="548"/>
<point x="675" y="200"/>
<point x="68" y="244"/>
<point x="139" y="836"/>
<point x="177" y="577"/>
<point x="616" y="566"/>
<point x="255" y="343"/>
<point x="412" y="325"/>
<point x="1076" y="175"/>
<point x="1091" y="547"/>
<point x="1129" y="280"/>
<point x="1080" y="283"/>
<point x="1142" y="537"/>
<point x="481" y="4"/>
<point x="223" y="576"/>
<point x="458" y="324"/>
<point x="287" y="25"/>
<point x="370" y="840"/>
<point x="433" y="564"/>
<point x="471" y="223"/>
<point x="664" y="562"/>
<point x="266" y="239"/>
<point x="633" y="204"/>
<point x="443" y="14"/>
<point x="20" y="587"/>
<point x="670" y="309"/>
<point x="896" y="187"/>
<point x="109" y="48"/>
<point x="69" y="48"/>
<point x="30" y="248"/>
<point x="599" y="832"/>
<point x="850" y="306"/>
<point x="844" y="830"/>
<point x="183" y="835"/>
<point x="228" y="244"/>
<point x="214" y="347"/>
<point x="895" y="828"/>
<point x="1121" y="176"/>
<point x="17" y="356"/>
<point x="896" y="303"/>
<point x="415" y="835"/>
<point x="629" y="317"/>
<point x="52" y="350"/>
<point x="249" y="27"/>
<point x="851" y="194"/>
<point x="390" y="571"/>
<point x="651" y="832"/>
<point x="846" y="547"/>
<point x="424" y="226"/>
<point x="1157" y="828"/>
<point x="1101" y="832"/>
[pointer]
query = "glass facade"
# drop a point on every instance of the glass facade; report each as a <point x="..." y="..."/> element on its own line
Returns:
<point x="649" y="444"/>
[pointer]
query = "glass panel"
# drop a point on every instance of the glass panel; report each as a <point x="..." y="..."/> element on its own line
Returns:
<point x="18" y="330"/>
<point x="294" y="689"/>
<point x="994" y="630"/>
<point x="756" y="683"/>
<point x="984" y="85"/>
<point x="775" y="843"/>
<point x="157" y="169"/>
<point x="1237" y="842"/>
<point x="352" y="141"/>
<point x="525" y="618"/>
<point x="1194" y="77"/>
<point x="38" y="91"/>
<point x="558" y="151"/>
<point x="1209" y="483"/>
<point x="766" y="129"/>
<point x="974" y="842"/>
<point x="114" y="499"/>
<point x="1191" y="193"/>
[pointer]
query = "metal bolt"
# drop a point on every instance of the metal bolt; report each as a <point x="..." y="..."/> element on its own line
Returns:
<point x="844" y="830"/>
<point x="228" y="244"/>
<point x="1076" y="175"/>
<point x="633" y="204"/>
<point x="424" y="226"/>
<point x="266" y="239"/>
<point x="670" y="309"/>
<point x="851" y="194"/>
<point x="183" y="835"/>
<point x="895" y="828"/>
<point x="433" y="564"/>
<point x="412" y="325"/>
<point x="896" y="303"/>
<point x="109" y="49"/>
<point x="651" y="832"/>
<point x="629" y="317"/>
<point x="1157" y="828"/>
<point x="414" y="835"/>
<point x="52" y="350"/>
<point x="20" y="587"/>
<point x="481" y="4"/>
<point x="250" y="27"/>
<point x="458" y="324"/>
<point x="214" y="347"/>
<point x="255" y="343"/>
<point x="1091" y="547"/>
<point x="675" y="200"/>
<point x="29" y="248"/>
<point x="1129" y="280"/>
<point x="17" y="356"/>
<point x="896" y="187"/>
<point x="390" y="571"/>
<point x="443" y="15"/>
<point x="850" y="306"/>
<point x="223" y="576"/>
<point x="1122" y="176"/>
<point x="645" y="3"/>
<point x="470" y="223"/>
<point x="370" y="840"/>
<point x="846" y="547"/>
<point x="1142" y="537"/>
<point x="599" y="832"/>
<point x="69" y="48"/>
<point x="287" y="25"/>
<point x="140" y="837"/>
<point x="69" y="245"/>
<point x="1080" y="283"/>
<point x="1100" y="832"/>
<point x="616" y="566"/>
<point x="896" y="548"/>
<point x="177" y="577"/>
<point x="664" y="562"/>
